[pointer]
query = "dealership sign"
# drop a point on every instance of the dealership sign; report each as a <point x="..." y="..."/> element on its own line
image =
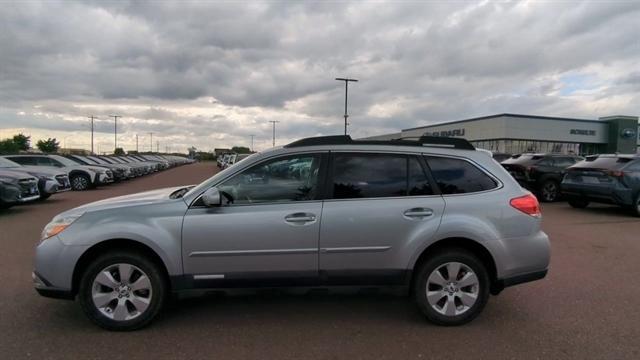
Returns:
<point x="582" y="132"/>
<point x="446" y="133"/>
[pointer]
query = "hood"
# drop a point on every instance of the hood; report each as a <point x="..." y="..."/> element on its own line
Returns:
<point x="15" y="174"/>
<point x="143" y="198"/>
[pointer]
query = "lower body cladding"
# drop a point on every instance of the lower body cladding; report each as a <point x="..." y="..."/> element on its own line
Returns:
<point x="517" y="260"/>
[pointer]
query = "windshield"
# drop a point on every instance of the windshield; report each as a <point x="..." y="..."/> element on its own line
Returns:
<point x="64" y="160"/>
<point x="6" y="163"/>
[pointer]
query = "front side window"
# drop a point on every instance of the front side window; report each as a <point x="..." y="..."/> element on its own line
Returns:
<point x="294" y="178"/>
<point x="369" y="175"/>
<point x="456" y="176"/>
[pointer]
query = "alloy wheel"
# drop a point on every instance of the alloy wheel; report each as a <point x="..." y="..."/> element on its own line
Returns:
<point x="80" y="183"/>
<point x="452" y="289"/>
<point x="550" y="191"/>
<point x="121" y="292"/>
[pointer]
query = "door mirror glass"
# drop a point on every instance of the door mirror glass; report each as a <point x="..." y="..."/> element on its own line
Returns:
<point x="211" y="197"/>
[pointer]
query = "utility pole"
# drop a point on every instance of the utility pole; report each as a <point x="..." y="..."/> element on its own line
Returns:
<point x="252" y="136"/>
<point x="151" y="142"/>
<point x="136" y="142"/>
<point x="92" y="117"/>
<point x="274" y="122"/>
<point x="157" y="146"/>
<point x="115" y="130"/>
<point x="346" y="94"/>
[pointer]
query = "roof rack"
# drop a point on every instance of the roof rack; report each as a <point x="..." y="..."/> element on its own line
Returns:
<point x="432" y="141"/>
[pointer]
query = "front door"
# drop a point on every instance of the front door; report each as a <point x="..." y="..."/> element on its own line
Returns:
<point x="266" y="230"/>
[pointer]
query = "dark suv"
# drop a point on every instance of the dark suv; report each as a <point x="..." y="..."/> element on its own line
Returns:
<point x="540" y="173"/>
<point x="609" y="179"/>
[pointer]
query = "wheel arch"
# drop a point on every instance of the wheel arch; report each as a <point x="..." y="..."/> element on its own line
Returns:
<point x="475" y="247"/>
<point x="116" y="244"/>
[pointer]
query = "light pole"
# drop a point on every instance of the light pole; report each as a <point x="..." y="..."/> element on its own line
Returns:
<point x="252" y="136"/>
<point x="137" y="143"/>
<point x="151" y="142"/>
<point x="92" y="118"/>
<point x="274" y="122"/>
<point x="115" y="130"/>
<point x="346" y="94"/>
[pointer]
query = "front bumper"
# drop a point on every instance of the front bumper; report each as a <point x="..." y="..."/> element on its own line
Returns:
<point x="105" y="178"/>
<point x="54" y="266"/>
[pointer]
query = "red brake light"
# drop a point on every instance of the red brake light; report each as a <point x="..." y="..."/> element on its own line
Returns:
<point x="615" y="173"/>
<point x="528" y="204"/>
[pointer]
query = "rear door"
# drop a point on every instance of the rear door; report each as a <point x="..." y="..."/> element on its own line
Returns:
<point x="380" y="208"/>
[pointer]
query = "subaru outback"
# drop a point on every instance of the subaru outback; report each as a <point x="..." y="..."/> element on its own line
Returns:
<point x="432" y="216"/>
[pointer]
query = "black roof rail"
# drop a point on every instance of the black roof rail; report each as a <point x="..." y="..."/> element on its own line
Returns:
<point x="435" y="141"/>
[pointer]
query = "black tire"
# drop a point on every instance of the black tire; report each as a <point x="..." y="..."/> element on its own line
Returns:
<point x="5" y="205"/>
<point x="80" y="182"/>
<point x="158" y="290"/>
<point x="44" y="197"/>
<point x="438" y="260"/>
<point x="549" y="191"/>
<point x="635" y="208"/>
<point x="578" y="203"/>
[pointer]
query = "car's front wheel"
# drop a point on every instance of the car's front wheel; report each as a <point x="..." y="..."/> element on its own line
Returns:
<point x="122" y="291"/>
<point x="451" y="287"/>
<point x="80" y="182"/>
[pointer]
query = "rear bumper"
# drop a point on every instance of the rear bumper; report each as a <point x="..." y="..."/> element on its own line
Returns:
<point x="605" y="193"/>
<point x="523" y="278"/>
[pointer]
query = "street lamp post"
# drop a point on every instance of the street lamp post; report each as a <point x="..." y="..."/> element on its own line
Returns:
<point x="346" y="94"/>
<point x="274" y="122"/>
<point x="115" y="130"/>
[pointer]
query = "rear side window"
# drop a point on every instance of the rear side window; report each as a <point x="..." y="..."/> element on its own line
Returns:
<point x="369" y="175"/>
<point x="456" y="176"/>
<point x="418" y="182"/>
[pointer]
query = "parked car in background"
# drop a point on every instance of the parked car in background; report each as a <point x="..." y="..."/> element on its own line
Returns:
<point x="50" y="181"/>
<point x="17" y="187"/>
<point x="82" y="177"/>
<point x="500" y="157"/>
<point x="608" y="179"/>
<point x="433" y="215"/>
<point x="540" y="173"/>
<point x="119" y="172"/>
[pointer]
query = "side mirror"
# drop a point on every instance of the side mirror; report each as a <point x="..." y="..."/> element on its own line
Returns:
<point x="211" y="197"/>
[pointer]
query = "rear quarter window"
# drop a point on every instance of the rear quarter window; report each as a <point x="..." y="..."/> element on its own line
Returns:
<point x="457" y="176"/>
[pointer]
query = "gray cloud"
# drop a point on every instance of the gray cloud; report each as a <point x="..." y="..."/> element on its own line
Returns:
<point x="200" y="72"/>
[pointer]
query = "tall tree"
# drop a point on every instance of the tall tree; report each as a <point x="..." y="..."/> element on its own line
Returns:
<point x="22" y="141"/>
<point x="8" y="147"/>
<point x="48" y="146"/>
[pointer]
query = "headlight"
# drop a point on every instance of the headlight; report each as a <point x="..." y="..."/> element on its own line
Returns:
<point x="57" y="226"/>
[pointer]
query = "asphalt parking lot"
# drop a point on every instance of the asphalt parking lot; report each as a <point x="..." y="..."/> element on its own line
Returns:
<point x="587" y="307"/>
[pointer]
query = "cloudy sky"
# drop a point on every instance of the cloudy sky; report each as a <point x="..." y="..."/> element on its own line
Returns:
<point x="212" y="74"/>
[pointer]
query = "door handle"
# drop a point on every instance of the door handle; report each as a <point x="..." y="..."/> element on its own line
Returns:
<point x="300" y="218"/>
<point x="418" y="213"/>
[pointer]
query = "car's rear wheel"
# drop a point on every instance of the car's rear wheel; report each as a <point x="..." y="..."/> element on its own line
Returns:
<point x="80" y="182"/>
<point x="451" y="287"/>
<point x="578" y="203"/>
<point x="549" y="191"/>
<point x="122" y="291"/>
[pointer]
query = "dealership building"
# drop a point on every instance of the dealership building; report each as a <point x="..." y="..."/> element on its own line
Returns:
<point x="514" y="133"/>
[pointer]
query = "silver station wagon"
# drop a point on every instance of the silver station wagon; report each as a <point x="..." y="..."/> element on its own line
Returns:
<point x="433" y="215"/>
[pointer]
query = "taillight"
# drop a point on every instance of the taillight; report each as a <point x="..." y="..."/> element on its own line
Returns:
<point x="615" y="173"/>
<point x="528" y="204"/>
